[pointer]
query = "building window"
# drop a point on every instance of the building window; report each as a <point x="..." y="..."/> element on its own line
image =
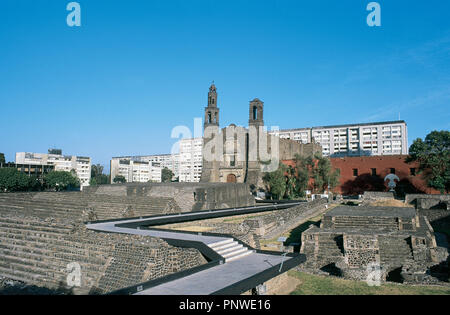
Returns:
<point x="412" y="171"/>
<point x="392" y="170"/>
<point x="232" y="161"/>
<point x="355" y="172"/>
<point x="374" y="172"/>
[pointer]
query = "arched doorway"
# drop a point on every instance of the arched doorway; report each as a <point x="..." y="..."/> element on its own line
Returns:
<point x="231" y="178"/>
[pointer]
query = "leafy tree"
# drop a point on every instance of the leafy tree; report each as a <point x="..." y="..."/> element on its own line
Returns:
<point x="34" y="183"/>
<point x="119" y="179"/>
<point x="98" y="176"/>
<point x="13" y="180"/>
<point x="2" y="158"/>
<point x="166" y="175"/>
<point x="303" y="167"/>
<point x="276" y="182"/>
<point x="433" y="156"/>
<point x="323" y="175"/>
<point x="61" y="180"/>
<point x="96" y="170"/>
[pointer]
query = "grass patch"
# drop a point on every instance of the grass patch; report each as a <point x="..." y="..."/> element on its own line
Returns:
<point x="323" y="285"/>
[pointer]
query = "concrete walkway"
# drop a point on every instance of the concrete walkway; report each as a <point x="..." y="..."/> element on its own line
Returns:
<point x="208" y="281"/>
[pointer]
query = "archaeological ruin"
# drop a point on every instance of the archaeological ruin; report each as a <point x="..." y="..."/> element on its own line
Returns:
<point x="351" y="242"/>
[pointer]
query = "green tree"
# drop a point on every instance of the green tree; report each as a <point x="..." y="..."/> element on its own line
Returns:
<point x="276" y="182"/>
<point x="166" y="175"/>
<point x="119" y="179"/>
<point x="61" y="180"/>
<point x="97" y="174"/>
<point x="2" y="158"/>
<point x="324" y="176"/>
<point x="433" y="156"/>
<point x="13" y="180"/>
<point x="303" y="166"/>
<point x="34" y="183"/>
<point x="96" y="170"/>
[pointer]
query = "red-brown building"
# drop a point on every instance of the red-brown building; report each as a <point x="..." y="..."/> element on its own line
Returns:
<point x="367" y="173"/>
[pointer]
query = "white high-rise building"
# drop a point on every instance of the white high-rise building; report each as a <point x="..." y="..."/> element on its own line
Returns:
<point x="79" y="164"/>
<point x="155" y="163"/>
<point x="170" y="161"/>
<point x="191" y="151"/>
<point x="135" y="171"/>
<point x="380" y="138"/>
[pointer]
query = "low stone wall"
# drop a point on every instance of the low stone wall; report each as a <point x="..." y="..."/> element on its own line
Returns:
<point x="282" y="284"/>
<point x="278" y="222"/>
<point x="412" y="198"/>
<point x="432" y="203"/>
<point x="187" y="196"/>
<point x="377" y="195"/>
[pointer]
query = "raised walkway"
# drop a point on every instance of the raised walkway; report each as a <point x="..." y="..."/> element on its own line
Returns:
<point x="234" y="269"/>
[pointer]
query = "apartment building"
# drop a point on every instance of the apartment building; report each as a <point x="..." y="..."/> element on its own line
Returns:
<point x="190" y="159"/>
<point x="170" y="161"/>
<point x="135" y="171"/>
<point x="79" y="164"/>
<point x="379" y="138"/>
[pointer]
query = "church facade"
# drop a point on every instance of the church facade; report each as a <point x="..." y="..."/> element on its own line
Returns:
<point x="235" y="154"/>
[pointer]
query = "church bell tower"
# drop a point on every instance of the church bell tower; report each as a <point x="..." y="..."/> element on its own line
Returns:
<point x="212" y="111"/>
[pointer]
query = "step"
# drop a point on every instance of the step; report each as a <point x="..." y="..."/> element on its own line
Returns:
<point x="216" y="244"/>
<point x="229" y="249"/>
<point x="235" y="252"/>
<point x="239" y="256"/>
<point x="225" y="246"/>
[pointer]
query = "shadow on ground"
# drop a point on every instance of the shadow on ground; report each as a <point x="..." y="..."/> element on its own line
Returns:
<point x="296" y="234"/>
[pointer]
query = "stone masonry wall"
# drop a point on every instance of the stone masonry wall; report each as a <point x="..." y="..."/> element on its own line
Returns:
<point x="412" y="198"/>
<point x="38" y="252"/>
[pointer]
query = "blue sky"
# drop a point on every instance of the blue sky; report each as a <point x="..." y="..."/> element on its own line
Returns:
<point x="118" y="84"/>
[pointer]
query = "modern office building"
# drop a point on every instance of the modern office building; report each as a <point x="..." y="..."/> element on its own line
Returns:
<point x="79" y="164"/>
<point x="190" y="159"/>
<point x="380" y="138"/>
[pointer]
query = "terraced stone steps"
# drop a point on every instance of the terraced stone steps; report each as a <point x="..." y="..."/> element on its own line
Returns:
<point x="230" y="249"/>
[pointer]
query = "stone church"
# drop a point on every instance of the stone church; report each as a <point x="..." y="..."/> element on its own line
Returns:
<point x="236" y="154"/>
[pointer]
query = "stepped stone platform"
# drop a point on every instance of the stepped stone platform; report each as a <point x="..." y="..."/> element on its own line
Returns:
<point x="399" y="242"/>
<point x="80" y="206"/>
<point x="185" y="197"/>
<point x="43" y="234"/>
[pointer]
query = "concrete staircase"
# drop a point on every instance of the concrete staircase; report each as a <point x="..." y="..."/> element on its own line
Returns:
<point x="230" y="249"/>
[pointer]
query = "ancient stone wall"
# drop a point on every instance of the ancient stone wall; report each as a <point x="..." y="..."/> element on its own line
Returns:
<point x="275" y="223"/>
<point x="252" y="228"/>
<point x="45" y="252"/>
<point x="412" y="198"/>
<point x="377" y="195"/>
<point x="184" y="197"/>
<point x="351" y="241"/>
